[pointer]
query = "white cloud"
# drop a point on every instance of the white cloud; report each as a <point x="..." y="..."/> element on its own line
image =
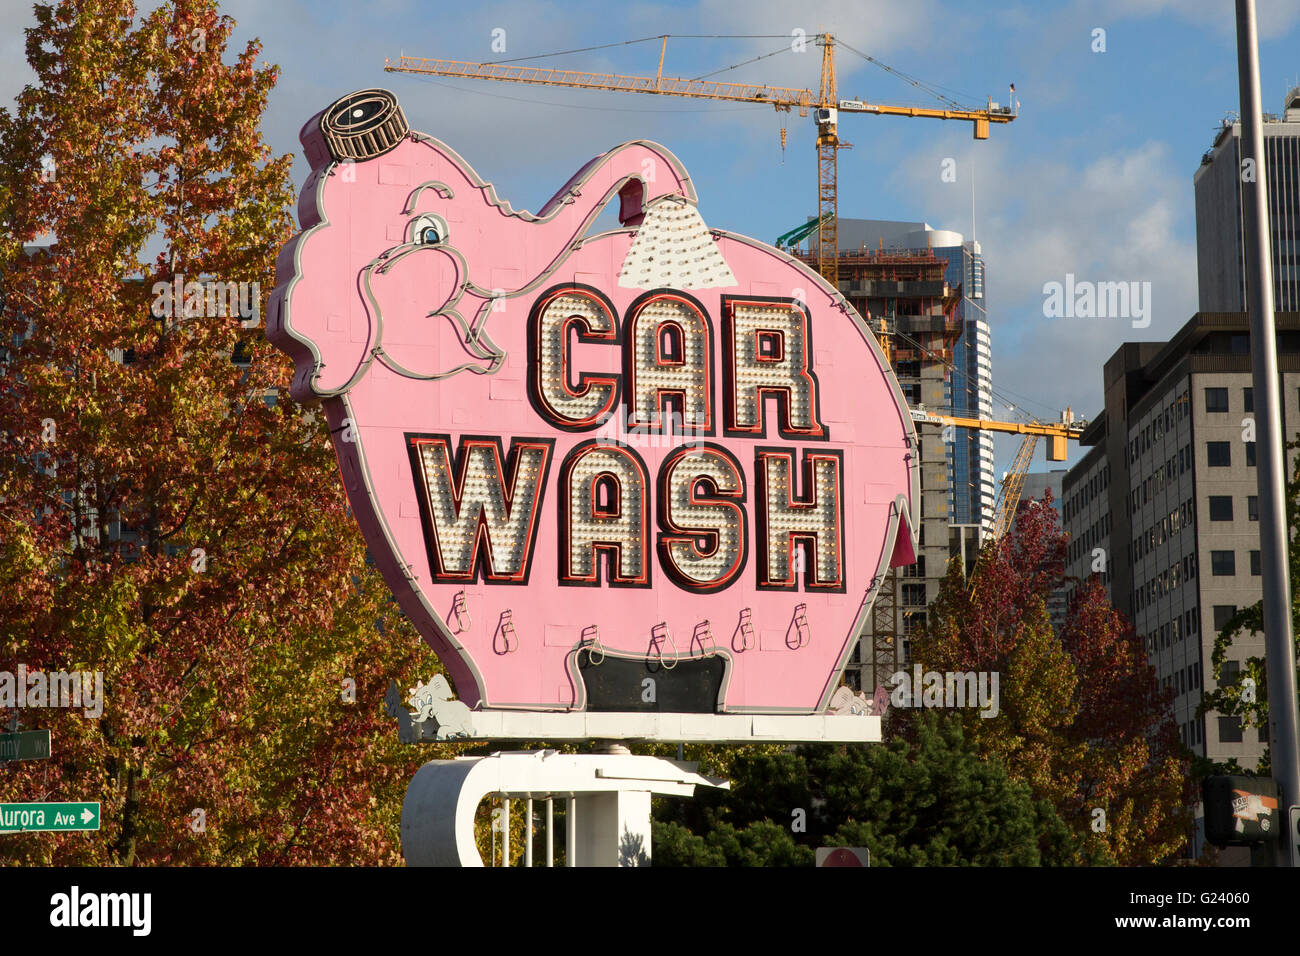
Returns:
<point x="1120" y="216"/>
<point x="1275" y="17"/>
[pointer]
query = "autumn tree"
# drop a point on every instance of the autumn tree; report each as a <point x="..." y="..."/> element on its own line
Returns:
<point x="1001" y="625"/>
<point x="1082" y="719"/>
<point x="167" y="516"/>
<point x="1132" y="768"/>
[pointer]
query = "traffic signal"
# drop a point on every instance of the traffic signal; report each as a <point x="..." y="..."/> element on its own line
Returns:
<point x="1241" y="811"/>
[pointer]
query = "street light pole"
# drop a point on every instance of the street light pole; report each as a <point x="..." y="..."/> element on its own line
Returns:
<point x="1279" y="647"/>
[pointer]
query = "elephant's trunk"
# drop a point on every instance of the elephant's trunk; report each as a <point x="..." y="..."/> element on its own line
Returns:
<point x="637" y="173"/>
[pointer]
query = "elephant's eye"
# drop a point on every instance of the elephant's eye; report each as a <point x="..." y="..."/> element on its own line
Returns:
<point x="428" y="230"/>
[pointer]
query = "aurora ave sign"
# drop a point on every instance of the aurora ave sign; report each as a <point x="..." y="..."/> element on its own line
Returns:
<point x="18" y="817"/>
<point x="660" y="469"/>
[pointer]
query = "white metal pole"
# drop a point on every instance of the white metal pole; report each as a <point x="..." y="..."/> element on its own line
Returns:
<point x="505" y="833"/>
<point x="550" y="831"/>
<point x="528" y="832"/>
<point x="1279" y="646"/>
<point x="571" y="831"/>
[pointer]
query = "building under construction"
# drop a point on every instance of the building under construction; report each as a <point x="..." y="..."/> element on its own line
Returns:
<point x="907" y="297"/>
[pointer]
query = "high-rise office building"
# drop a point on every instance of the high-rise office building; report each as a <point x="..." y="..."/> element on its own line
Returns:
<point x="1166" y="499"/>
<point x="1221" y="219"/>
<point x="1164" y="503"/>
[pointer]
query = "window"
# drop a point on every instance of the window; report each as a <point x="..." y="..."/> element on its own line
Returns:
<point x="1231" y="673"/>
<point x="1216" y="399"/>
<point x="1250" y="454"/>
<point x="1254" y="564"/>
<point x="1252" y="507"/>
<point x="1223" y="563"/>
<point x="1222" y="614"/>
<point x="1248" y="395"/>
<point x="914" y="594"/>
<point x="1219" y="454"/>
<point x="1230" y="730"/>
<point x="1220" y="507"/>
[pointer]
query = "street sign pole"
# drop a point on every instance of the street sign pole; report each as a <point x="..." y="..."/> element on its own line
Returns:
<point x="1279" y="647"/>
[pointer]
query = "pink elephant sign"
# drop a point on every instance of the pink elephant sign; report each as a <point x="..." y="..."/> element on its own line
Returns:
<point x="582" y="460"/>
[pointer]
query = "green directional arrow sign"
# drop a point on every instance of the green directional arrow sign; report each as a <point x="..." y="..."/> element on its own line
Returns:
<point x="27" y="745"/>
<point x="21" y="817"/>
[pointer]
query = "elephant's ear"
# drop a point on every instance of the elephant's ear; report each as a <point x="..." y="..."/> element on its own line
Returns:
<point x="440" y="688"/>
<point x="673" y="248"/>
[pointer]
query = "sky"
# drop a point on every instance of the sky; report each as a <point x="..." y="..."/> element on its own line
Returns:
<point x="1093" y="179"/>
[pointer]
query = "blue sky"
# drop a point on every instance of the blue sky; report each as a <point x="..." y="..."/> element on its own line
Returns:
<point x="1094" y="178"/>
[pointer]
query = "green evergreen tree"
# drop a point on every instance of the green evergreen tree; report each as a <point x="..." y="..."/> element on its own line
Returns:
<point x="929" y="802"/>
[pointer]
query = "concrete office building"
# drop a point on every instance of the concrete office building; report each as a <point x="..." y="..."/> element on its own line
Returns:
<point x="1035" y="488"/>
<point x="1167" y="493"/>
<point x="1220" y="217"/>
<point x="1038" y="483"/>
<point x="1085" y="515"/>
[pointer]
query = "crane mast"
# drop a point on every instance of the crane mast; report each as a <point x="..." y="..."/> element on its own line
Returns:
<point x="828" y="146"/>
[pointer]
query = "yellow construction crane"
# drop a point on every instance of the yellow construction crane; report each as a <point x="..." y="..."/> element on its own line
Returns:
<point x="824" y="104"/>
<point x="1056" y="433"/>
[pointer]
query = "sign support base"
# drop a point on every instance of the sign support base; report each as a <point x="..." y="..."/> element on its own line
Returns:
<point x="607" y="800"/>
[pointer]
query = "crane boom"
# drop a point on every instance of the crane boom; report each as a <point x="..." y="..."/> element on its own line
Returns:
<point x="792" y="238"/>
<point x="1008" y="499"/>
<point x="825" y="104"/>
<point x="778" y="97"/>
<point x="1058" y="433"/>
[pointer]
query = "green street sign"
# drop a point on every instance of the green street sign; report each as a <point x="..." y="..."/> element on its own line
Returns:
<point x="27" y="745"/>
<point x="22" y="817"/>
